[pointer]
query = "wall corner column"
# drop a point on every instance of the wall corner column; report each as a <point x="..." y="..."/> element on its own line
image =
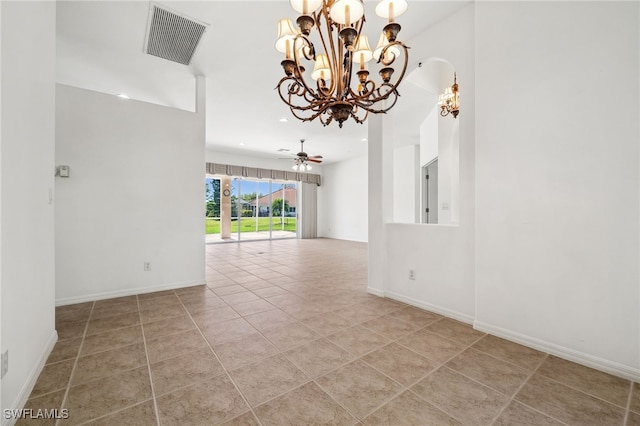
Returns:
<point x="380" y="196"/>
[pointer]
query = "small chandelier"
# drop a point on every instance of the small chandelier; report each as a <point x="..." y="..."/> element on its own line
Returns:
<point x="449" y="101"/>
<point x="339" y="91"/>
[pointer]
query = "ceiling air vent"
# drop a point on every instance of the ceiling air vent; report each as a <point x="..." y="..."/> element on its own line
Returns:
<point x="172" y="36"/>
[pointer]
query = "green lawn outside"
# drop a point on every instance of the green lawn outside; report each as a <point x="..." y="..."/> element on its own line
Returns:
<point x="248" y="224"/>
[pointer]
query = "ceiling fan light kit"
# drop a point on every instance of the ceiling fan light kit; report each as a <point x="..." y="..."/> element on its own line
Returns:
<point x="302" y="160"/>
<point x="301" y="167"/>
<point x="332" y="91"/>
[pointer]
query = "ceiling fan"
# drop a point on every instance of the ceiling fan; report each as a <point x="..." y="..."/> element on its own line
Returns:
<point x="302" y="160"/>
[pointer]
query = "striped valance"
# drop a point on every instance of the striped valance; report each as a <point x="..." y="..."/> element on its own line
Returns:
<point x="254" y="172"/>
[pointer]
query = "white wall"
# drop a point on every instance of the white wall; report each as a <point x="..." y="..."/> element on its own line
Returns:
<point x="441" y="256"/>
<point x="27" y="225"/>
<point x="380" y="191"/>
<point x="558" y="179"/>
<point x="429" y="136"/>
<point x="554" y="264"/>
<point x="135" y="195"/>
<point x="448" y="169"/>
<point x="342" y="200"/>
<point x="406" y="184"/>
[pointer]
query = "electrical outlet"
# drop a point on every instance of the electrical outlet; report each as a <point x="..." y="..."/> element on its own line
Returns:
<point x="412" y="274"/>
<point x="147" y="266"/>
<point x="5" y="363"/>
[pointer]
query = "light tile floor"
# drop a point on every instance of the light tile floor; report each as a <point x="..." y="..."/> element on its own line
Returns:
<point x="284" y="333"/>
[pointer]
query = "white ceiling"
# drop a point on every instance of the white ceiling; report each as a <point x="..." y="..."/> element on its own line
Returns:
<point x="100" y="46"/>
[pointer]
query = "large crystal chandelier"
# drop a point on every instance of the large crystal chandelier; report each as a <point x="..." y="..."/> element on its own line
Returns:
<point x="337" y="94"/>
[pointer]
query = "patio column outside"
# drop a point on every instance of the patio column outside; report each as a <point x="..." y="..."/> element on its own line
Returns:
<point x="225" y="209"/>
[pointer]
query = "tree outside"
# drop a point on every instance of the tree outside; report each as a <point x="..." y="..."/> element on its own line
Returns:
<point x="213" y="197"/>
<point x="277" y="207"/>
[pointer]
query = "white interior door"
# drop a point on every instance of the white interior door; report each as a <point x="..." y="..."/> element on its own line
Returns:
<point x="430" y="192"/>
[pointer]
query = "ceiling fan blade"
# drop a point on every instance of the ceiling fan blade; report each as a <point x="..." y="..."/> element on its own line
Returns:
<point x="315" y="156"/>
<point x="313" y="160"/>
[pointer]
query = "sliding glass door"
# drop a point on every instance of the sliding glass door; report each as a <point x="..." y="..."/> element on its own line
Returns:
<point x="249" y="209"/>
<point x="283" y="209"/>
<point x="252" y="222"/>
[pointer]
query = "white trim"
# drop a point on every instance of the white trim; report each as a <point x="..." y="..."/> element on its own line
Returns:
<point x="375" y="291"/>
<point x="427" y="306"/>
<point x="23" y="395"/>
<point x="578" y="357"/>
<point x="127" y="292"/>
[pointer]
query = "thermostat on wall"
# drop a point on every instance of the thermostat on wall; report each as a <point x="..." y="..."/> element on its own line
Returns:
<point x="63" y="171"/>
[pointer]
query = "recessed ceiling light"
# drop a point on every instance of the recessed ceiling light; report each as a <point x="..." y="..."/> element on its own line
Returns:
<point x="241" y="143"/>
<point x="123" y="96"/>
<point x="364" y="140"/>
<point x="284" y="150"/>
<point x="283" y="120"/>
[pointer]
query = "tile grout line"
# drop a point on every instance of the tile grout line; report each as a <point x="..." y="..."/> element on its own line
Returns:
<point x="441" y="365"/>
<point x="103" y="351"/>
<point x="546" y="355"/>
<point x="314" y="380"/>
<point x="513" y="397"/>
<point x="359" y="358"/>
<point x="502" y="359"/>
<point x="246" y="401"/>
<point x="412" y="383"/>
<point x="75" y="363"/>
<point x="402" y="389"/>
<point x="551" y="379"/>
<point x="104" y="416"/>
<point x="281" y="352"/>
<point x="522" y="385"/>
<point x="146" y="354"/>
<point x="336" y="401"/>
<point x="434" y="405"/>
<point x="447" y="338"/>
<point x="627" y="412"/>
<point x="506" y="404"/>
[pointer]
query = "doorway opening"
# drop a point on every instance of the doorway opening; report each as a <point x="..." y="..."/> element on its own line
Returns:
<point x="437" y="155"/>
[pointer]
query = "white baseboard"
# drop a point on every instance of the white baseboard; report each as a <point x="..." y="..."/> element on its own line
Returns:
<point x="578" y="357"/>
<point x="462" y="317"/>
<point x="126" y="292"/>
<point x="375" y="291"/>
<point x="23" y="395"/>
